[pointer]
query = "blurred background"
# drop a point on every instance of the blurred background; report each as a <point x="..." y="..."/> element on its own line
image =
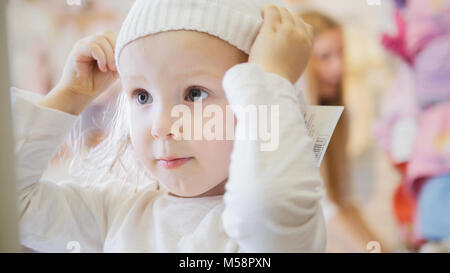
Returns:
<point x="387" y="167"/>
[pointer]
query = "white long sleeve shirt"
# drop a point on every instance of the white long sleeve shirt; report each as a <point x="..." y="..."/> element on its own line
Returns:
<point x="271" y="204"/>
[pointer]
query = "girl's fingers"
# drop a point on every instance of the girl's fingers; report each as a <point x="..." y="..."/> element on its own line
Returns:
<point x="299" y="22"/>
<point x="271" y="15"/>
<point x="309" y="29"/>
<point x="108" y="50"/>
<point x="286" y="16"/>
<point x="111" y="37"/>
<point x="98" y="54"/>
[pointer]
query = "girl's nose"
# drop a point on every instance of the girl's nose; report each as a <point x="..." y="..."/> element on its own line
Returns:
<point x="162" y="125"/>
<point x="161" y="134"/>
<point x="161" y="130"/>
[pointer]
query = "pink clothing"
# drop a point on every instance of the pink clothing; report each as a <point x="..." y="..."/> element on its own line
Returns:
<point x="432" y="72"/>
<point x="398" y="43"/>
<point x="398" y="104"/>
<point x="418" y="23"/>
<point x="426" y="21"/>
<point x="431" y="153"/>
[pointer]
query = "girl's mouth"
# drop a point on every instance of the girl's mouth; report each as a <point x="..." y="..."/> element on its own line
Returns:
<point x="172" y="163"/>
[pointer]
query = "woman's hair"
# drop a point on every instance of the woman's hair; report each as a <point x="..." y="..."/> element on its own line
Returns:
<point x="335" y="168"/>
<point x="112" y="159"/>
<point x="321" y="24"/>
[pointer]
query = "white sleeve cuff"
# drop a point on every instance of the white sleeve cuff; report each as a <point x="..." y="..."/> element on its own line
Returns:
<point x="38" y="133"/>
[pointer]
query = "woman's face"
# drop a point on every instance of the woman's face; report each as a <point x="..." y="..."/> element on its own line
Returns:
<point x="178" y="68"/>
<point x="327" y="63"/>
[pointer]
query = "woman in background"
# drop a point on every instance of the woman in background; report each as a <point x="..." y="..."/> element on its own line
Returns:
<point x="324" y="86"/>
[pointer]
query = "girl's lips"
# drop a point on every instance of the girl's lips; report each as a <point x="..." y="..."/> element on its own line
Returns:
<point x="173" y="163"/>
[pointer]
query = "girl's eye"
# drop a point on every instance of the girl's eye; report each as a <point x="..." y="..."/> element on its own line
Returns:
<point x="143" y="97"/>
<point x="195" y="94"/>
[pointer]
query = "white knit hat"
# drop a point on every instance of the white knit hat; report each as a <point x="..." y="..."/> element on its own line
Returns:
<point x="234" y="21"/>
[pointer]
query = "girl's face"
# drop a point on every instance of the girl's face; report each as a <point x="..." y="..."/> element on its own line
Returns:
<point x="167" y="69"/>
<point x="327" y="63"/>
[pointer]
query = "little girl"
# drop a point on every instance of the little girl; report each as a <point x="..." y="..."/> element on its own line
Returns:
<point x="218" y="195"/>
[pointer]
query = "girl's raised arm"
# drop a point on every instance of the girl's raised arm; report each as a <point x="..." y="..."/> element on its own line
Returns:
<point x="273" y="203"/>
<point x="54" y="216"/>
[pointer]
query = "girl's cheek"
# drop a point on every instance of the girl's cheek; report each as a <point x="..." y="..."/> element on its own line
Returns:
<point x="140" y="129"/>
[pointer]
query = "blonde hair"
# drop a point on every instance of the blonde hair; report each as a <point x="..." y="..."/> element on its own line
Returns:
<point x="112" y="159"/>
<point x="335" y="167"/>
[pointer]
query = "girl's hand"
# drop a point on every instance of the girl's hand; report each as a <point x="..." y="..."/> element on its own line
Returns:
<point x="89" y="70"/>
<point x="284" y="43"/>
